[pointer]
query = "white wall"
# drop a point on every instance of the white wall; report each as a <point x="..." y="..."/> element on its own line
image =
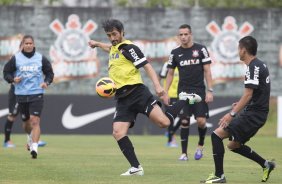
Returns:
<point x="279" y="116"/>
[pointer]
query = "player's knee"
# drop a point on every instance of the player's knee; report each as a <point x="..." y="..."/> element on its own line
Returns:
<point x="201" y="122"/>
<point x="233" y="145"/>
<point x="117" y="134"/>
<point x="185" y="122"/>
<point x="11" y="118"/>
<point x="34" y="121"/>
<point x="25" y="117"/>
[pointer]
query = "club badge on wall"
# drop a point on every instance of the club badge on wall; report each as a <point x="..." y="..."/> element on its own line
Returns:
<point x="224" y="49"/>
<point x="71" y="57"/>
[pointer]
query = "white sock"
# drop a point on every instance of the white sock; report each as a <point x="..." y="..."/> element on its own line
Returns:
<point x="29" y="140"/>
<point x="34" y="147"/>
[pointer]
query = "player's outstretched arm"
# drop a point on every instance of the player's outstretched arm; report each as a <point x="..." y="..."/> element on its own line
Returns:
<point x="104" y="46"/>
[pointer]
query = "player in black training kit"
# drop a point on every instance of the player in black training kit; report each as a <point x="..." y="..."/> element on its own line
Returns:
<point x="255" y="102"/>
<point x="193" y="62"/>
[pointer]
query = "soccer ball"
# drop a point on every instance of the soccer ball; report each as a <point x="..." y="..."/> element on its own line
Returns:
<point x="106" y="87"/>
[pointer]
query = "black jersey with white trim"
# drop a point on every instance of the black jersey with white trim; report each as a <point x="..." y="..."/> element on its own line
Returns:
<point x="257" y="78"/>
<point x="190" y="63"/>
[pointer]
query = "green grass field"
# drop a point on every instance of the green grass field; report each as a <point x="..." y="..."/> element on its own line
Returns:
<point x="76" y="159"/>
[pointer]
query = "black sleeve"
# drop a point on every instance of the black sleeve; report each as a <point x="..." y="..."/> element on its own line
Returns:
<point x="251" y="80"/>
<point x="9" y="69"/>
<point x="205" y="56"/>
<point x="171" y="60"/>
<point x="134" y="54"/>
<point x="47" y="70"/>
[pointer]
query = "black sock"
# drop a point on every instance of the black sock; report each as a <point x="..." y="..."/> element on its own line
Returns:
<point x="170" y="133"/>
<point x="8" y="129"/>
<point x="127" y="149"/>
<point x="173" y="110"/>
<point x="218" y="154"/>
<point x="175" y="128"/>
<point x="247" y="152"/>
<point x="172" y="129"/>
<point x="202" y="134"/>
<point x="184" y="135"/>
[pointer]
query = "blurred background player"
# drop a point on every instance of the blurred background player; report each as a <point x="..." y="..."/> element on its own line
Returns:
<point x="172" y="93"/>
<point x="193" y="63"/>
<point x="31" y="73"/>
<point x="13" y="112"/>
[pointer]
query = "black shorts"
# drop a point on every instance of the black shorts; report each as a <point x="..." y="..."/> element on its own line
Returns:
<point x="200" y="109"/>
<point x="246" y="125"/>
<point x="30" y="105"/>
<point x="140" y="100"/>
<point x="12" y="102"/>
<point x="181" y="114"/>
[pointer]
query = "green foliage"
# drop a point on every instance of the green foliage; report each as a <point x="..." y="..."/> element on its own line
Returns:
<point x="11" y="2"/>
<point x="122" y="3"/>
<point x="240" y="3"/>
<point x="21" y="2"/>
<point x="158" y="3"/>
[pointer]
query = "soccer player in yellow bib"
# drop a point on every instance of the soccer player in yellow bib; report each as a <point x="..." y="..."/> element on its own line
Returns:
<point x="132" y="95"/>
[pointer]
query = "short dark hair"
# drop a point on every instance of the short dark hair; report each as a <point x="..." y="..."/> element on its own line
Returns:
<point x="250" y="44"/>
<point x="183" y="26"/>
<point x="26" y="37"/>
<point x="111" y="24"/>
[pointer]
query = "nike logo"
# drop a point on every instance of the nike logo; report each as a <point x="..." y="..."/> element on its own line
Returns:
<point x="70" y="121"/>
<point x="180" y="55"/>
<point x="4" y="112"/>
<point x="212" y="113"/>
<point x="133" y="172"/>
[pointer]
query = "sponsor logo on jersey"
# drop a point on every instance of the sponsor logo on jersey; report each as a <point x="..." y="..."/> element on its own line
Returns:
<point x="114" y="56"/>
<point x="256" y="73"/>
<point x="189" y="62"/>
<point x="134" y="55"/>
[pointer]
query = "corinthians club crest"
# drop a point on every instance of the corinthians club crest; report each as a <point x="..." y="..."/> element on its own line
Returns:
<point x="225" y="43"/>
<point x="71" y="56"/>
<point x="226" y="64"/>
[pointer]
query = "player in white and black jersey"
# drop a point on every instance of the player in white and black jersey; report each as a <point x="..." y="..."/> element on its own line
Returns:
<point x="239" y="130"/>
<point x="193" y="63"/>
